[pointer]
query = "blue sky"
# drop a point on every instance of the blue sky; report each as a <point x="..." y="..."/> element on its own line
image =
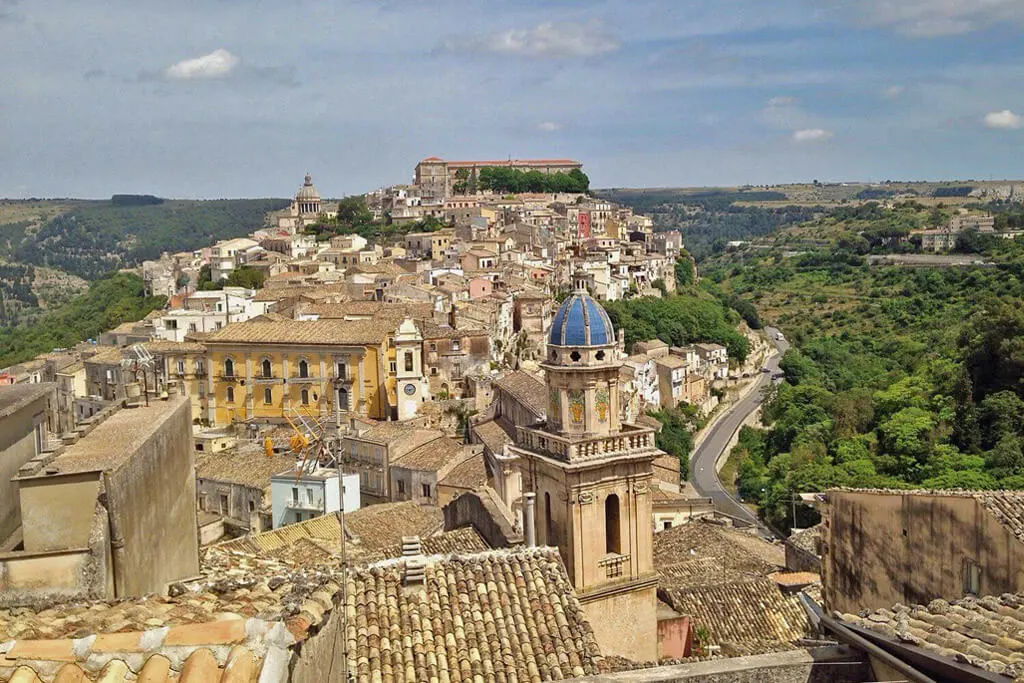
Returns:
<point x="231" y="98"/>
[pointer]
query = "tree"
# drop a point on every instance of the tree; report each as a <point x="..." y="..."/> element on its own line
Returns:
<point x="247" y="277"/>
<point x="685" y="270"/>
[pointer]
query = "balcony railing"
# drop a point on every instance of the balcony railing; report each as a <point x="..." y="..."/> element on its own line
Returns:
<point x="303" y="506"/>
<point x="631" y="438"/>
<point x="613" y="564"/>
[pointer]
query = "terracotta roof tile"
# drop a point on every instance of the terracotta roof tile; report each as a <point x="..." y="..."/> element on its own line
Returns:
<point x="986" y="632"/>
<point x="529" y="390"/>
<point x="468" y="475"/>
<point x="313" y="332"/>
<point x="431" y="456"/>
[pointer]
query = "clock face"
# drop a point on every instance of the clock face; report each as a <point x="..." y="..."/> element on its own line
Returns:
<point x="410" y="389"/>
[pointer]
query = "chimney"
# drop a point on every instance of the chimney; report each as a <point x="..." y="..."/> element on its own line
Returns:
<point x="529" y="525"/>
<point x="414" y="566"/>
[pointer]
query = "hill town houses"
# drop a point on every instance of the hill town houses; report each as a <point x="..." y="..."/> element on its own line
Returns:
<point x="430" y="456"/>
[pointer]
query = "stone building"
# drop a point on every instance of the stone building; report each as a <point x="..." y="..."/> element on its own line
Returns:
<point x="436" y="177"/>
<point x="111" y="515"/>
<point x="371" y="448"/>
<point x="591" y="475"/>
<point x="882" y="547"/>
<point x="235" y="484"/>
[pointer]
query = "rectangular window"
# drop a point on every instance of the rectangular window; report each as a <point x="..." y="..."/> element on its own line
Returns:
<point x="972" y="578"/>
<point x="455" y="344"/>
<point x="223" y="503"/>
<point x="295" y="495"/>
<point x="393" y="366"/>
<point x="309" y="496"/>
<point x="342" y="371"/>
<point x="426" y="490"/>
<point x="181" y="367"/>
<point x="401" y="487"/>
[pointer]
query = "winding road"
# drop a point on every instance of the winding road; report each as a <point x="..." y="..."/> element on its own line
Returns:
<point x="703" y="473"/>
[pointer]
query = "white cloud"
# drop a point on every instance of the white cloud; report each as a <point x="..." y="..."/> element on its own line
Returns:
<point x="781" y="101"/>
<point x="812" y="135"/>
<point x="549" y="126"/>
<point x="217" y="64"/>
<point x="547" y="39"/>
<point x="1003" y="120"/>
<point x="931" y="18"/>
<point x="893" y="91"/>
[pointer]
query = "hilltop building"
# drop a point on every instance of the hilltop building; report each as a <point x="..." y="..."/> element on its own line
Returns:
<point x="436" y="177"/>
<point x="306" y="208"/>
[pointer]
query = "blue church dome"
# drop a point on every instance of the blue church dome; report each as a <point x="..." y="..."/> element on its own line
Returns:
<point x="581" y="321"/>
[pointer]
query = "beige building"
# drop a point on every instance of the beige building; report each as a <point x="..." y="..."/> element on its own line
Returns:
<point x="883" y="547"/>
<point x="591" y="476"/>
<point x="437" y="178"/>
<point x="110" y="516"/>
<point x="428" y="245"/>
<point x="23" y="427"/>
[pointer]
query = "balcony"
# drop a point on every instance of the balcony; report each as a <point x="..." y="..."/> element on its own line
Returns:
<point x="613" y="565"/>
<point x="572" y="449"/>
<point x="303" y="506"/>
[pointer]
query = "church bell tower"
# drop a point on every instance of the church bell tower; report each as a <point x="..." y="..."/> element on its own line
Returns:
<point x="592" y="476"/>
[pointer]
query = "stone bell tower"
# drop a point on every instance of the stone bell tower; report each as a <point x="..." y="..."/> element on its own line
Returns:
<point x="592" y="476"/>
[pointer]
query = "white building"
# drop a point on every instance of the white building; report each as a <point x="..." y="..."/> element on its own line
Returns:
<point x="227" y="255"/>
<point x="208" y="312"/>
<point x="296" y="496"/>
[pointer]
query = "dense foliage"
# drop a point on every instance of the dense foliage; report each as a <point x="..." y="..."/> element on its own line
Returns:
<point x="354" y="217"/>
<point x="676" y="435"/>
<point x="15" y="290"/>
<point x="96" y="237"/>
<point x="245" y="276"/>
<point x="899" y="377"/>
<point x="679" y="319"/>
<point x="711" y="219"/>
<point x="504" y="179"/>
<point x="110" y="301"/>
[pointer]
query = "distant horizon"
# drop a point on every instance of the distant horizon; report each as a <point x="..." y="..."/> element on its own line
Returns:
<point x="997" y="181"/>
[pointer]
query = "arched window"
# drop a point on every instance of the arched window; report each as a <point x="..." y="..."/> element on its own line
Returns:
<point x="408" y="361"/>
<point x="549" y="524"/>
<point x="268" y="396"/>
<point x="611" y="524"/>
<point x="305" y="397"/>
<point x="230" y="395"/>
<point x="267" y="370"/>
<point x="343" y="398"/>
<point x="229" y="367"/>
<point x="303" y="368"/>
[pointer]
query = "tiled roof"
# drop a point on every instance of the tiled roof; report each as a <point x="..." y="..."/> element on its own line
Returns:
<point x="162" y="346"/>
<point x="431" y="456"/>
<point x="529" y="390"/>
<point x="247" y="466"/>
<point x="205" y="653"/>
<point x="312" y="332"/>
<point x="987" y="632"/>
<point x="807" y="539"/>
<point x="1005" y="506"/>
<point x="379" y="526"/>
<point x="468" y="475"/>
<point x="734" y="550"/>
<point x="753" y="610"/>
<point x="492" y="435"/>
<point x="498" y="616"/>
<point x="462" y="541"/>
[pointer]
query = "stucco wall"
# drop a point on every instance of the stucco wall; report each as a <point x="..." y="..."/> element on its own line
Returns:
<point x="57" y="510"/>
<point x="152" y="502"/>
<point x="479" y="511"/>
<point x="633" y="632"/>
<point x="883" y="549"/>
<point x="17" y="447"/>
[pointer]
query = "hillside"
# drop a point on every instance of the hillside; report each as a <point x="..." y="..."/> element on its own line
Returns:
<point x="90" y="238"/>
<point x="899" y="377"/>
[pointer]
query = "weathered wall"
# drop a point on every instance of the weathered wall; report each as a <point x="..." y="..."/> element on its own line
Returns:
<point x="57" y="510"/>
<point x="17" y="447"/>
<point x="881" y="549"/>
<point x="675" y="638"/>
<point x="633" y="632"/>
<point x="479" y="511"/>
<point x="45" y="577"/>
<point x="243" y="502"/>
<point x="319" y="658"/>
<point x="799" y="560"/>
<point x="152" y="503"/>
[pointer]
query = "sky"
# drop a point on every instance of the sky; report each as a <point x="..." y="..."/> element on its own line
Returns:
<point x="240" y="98"/>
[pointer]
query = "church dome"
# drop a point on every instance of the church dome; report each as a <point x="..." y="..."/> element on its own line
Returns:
<point x="581" y="321"/>
<point x="307" y="192"/>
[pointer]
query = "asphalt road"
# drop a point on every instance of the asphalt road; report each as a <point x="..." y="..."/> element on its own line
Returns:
<point x="703" y="475"/>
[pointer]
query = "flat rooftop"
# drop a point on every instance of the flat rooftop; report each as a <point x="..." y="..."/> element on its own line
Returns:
<point x="14" y="397"/>
<point x="114" y="441"/>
